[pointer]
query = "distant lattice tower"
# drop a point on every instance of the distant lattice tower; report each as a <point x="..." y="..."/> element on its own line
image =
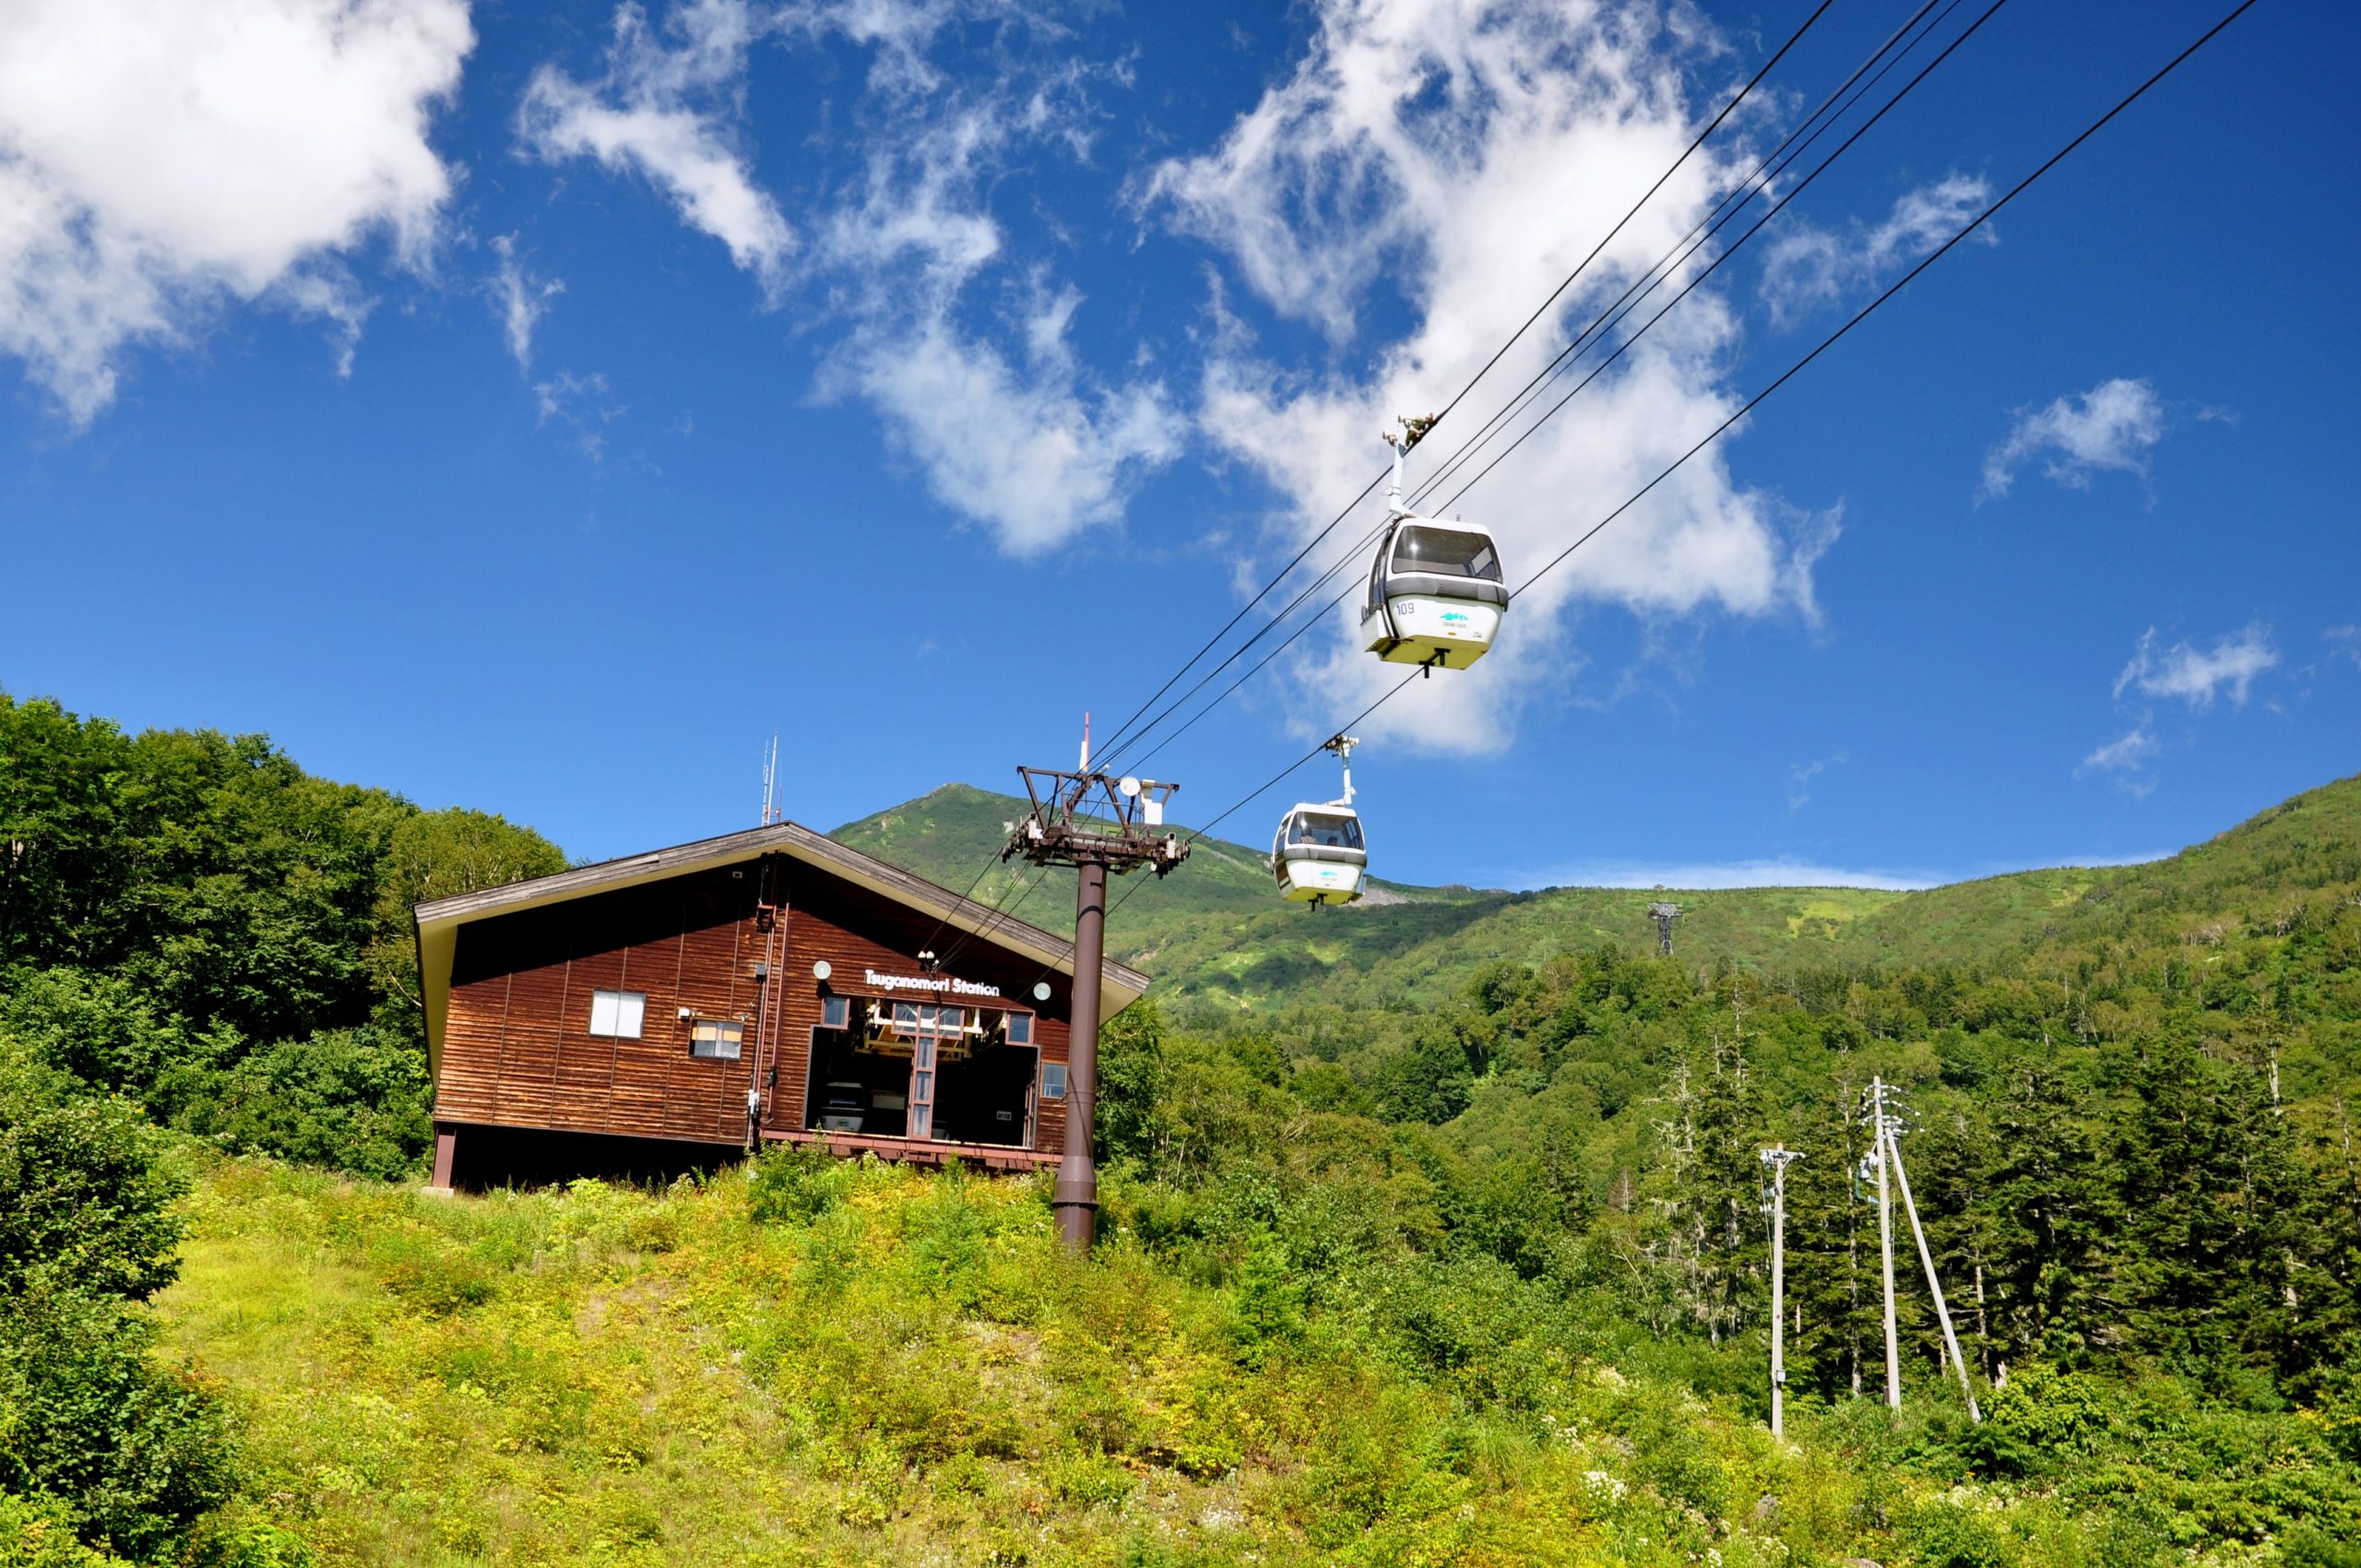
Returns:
<point x="1664" y="914"/>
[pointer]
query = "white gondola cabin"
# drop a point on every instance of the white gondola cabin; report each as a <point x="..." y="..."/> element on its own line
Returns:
<point x="1319" y="855"/>
<point x="1435" y="594"/>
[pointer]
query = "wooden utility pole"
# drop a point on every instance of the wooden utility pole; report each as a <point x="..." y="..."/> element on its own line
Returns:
<point x="1778" y="1158"/>
<point x="1097" y="824"/>
<point x="1885" y="1245"/>
<point x="1927" y="1259"/>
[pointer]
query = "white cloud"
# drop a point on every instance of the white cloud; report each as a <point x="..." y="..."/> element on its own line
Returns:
<point x="2195" y="675"/>
<point x="159" y="159"/>
<point x="521" y="297"/>
<point x="2344" y="641"/>
<point x="2111" y="427"/>
<point x="964" y="350"/>
<point x="1807" y="268"/>
<point x="1705" y="874"/>
<point x="2131" y="750"/>
<point x="1800" y="775"/>
<point x="1383" y="173"/>
<point x="579" y="403"/>
<point x="1017" y="443"/>
<point x="1005" y="421"/>
<point x="670" y="114"/>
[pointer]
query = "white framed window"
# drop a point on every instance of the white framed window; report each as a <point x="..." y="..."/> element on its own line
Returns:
<point x="1020" y="1028"/>
<point x="717" y="1040"/>
<point x="618" y="1014"/>
<point x="836" y="1012"/>
<point x="1053" y="1080"/>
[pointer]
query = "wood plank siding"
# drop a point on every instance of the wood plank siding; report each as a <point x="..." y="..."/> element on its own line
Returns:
<point x="515" y="1048"/>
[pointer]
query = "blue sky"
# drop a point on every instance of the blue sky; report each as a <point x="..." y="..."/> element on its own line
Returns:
<point x="532" y="408"/>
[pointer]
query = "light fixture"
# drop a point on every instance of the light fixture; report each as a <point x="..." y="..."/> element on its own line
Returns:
<point x="819" y="969"/>
<point x="1040" y="990"/>
<point x="1130" y="787"/>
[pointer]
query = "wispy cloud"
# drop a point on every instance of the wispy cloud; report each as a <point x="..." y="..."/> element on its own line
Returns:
<point x="578" y="404"/>
<point x="519" y="298"/>
<point x="2344" y="642"/>
<point x="963" y="346"/>
<point x="1707" y="875"/>
<point x="160" y="159"/>
<point x="1364" y="196"/>
<point x="669" y="112"/>
<point x="2196" y="674"/>
<point x="1809" y="268"/>
<point x="1784" y="872"/>
<point x="2111" y="428"/>
<point x="1800" y="775"/>
<point x="2126" y="754"/>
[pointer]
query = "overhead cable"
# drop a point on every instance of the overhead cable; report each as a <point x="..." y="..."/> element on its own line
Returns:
<point x="1568" y="282"/>
<point x="1557" y="366"/>
<point x="1975" y="223"/>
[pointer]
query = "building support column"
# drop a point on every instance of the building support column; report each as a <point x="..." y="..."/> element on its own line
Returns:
<point x="446" y="1149"/>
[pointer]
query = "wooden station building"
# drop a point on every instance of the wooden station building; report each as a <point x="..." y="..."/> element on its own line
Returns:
<point x="768" y="985"/>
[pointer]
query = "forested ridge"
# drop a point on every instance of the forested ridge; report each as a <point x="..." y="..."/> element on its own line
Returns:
<point x="1456" y="1261"/>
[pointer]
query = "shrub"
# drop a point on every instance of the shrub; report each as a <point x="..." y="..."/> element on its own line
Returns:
<point x="135" y="1454"/>
<point x="1955" y="1532"/>
<point x="37" y="1532"/>
<point x="2040" y="1417"/>
<point x="99" y="1028"/>
<point x="794" y="1185"/>
<point x="84" y="1190"/>
<point x="354" y="1099"/>
<point x="2313" y="1548"/>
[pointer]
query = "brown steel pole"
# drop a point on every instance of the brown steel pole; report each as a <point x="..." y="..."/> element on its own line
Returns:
<point x="1076" y="1196"/>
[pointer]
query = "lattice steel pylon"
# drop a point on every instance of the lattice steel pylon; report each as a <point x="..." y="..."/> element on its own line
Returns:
<point x="1664" y="914"/>
<point x="1096" y="824"/>
<point x="1079" y="818"/>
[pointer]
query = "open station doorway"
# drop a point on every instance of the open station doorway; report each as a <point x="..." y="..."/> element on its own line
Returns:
<point x="885" y="1068"/>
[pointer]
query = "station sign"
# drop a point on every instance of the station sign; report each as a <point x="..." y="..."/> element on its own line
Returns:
<point x="935" y="985"/>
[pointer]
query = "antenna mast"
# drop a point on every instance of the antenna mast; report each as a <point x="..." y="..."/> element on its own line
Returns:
<point x="770" y="781"/>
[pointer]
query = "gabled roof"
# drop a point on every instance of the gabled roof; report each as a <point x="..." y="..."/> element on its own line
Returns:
<point x="439" y="919"/>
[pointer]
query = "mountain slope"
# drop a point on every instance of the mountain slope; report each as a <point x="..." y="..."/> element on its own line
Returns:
<point x="1215" y="930"/>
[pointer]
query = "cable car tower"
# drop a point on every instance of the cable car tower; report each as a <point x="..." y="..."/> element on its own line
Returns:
<point x="1096" y="824"/>
<point x="1664" y="913"/>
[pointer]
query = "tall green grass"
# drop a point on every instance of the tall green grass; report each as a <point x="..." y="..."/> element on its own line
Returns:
<point x="846" y="1363"/>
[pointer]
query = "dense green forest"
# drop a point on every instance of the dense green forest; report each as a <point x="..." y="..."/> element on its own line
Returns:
<point x="1433" y="1228"/>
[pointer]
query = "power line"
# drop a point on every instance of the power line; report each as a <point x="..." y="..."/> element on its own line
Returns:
<point x="1735" y="248"/>
<point x="1826" y="343"/>
<point x="1693" y="242"/>
<point x="1124" y="734"/>
<point x="1731" y="203"/>
<point x="1568" y="282"/>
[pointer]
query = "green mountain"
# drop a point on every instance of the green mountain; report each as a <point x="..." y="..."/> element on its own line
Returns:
<point x="1213" y="929"/>
<point x="1431" y="1228"/>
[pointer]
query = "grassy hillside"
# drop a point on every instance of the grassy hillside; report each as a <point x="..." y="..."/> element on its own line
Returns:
<point x="1213" y="931"/>
<point x="1430" y="1235"/>
<point x="863" y="1365"/>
